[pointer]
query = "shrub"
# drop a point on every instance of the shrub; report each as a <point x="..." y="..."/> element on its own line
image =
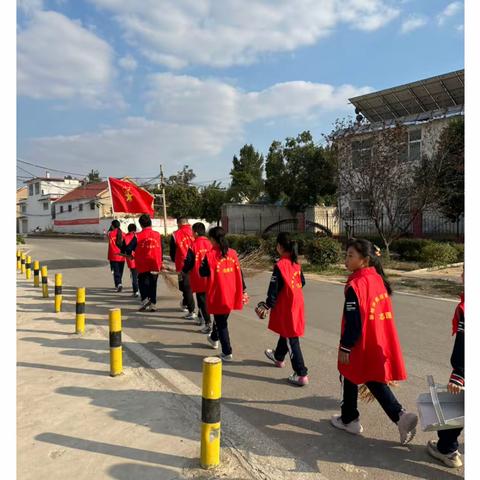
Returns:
<point x="20" y="240"/>
<point x="323" y="251"/>
<point x="460" y="248"/>
<point x="234" y="241"/>
<point x="250" y="243"/>
<point x="435" y="253"/>
<point x="409" y="249"/>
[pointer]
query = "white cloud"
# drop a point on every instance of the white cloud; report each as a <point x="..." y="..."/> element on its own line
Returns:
<point x="413" y="23"/>
<point x="192" y="121"/>
<point x="59" y="59"/>
<point x="449" y="11"/>
<point x="128" y="63"/>
<point x="30" y="6"/>
<point x="178" y="33"/>
<point x="460" y="28"/>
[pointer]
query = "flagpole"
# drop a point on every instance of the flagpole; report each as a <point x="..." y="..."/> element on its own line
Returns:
<point x="162" y="183"/>
<point x="111" y="198"/>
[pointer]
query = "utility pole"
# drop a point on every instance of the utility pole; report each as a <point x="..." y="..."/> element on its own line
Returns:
<point x="164" y="202"/>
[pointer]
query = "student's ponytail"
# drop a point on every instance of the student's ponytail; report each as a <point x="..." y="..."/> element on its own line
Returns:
<point x="289" y="245"/>
<point x="368" y="249"/>
<point x="218" y="234"/>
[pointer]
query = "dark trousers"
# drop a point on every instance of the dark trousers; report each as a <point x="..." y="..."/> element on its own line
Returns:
<point x="220" y="332"/>
<point x="148" y="286"/>
<point x="202" y="306"/>
<point x="380" y="391"/>
<point x="117" y="270"/>
<point x="134" y="277"/>
<point x="185" y="288"/>
<point x="448" y="440"/>
<point x="292" y="346"/>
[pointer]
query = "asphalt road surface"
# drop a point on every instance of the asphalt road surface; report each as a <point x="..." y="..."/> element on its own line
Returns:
<point x="296" y="418"/>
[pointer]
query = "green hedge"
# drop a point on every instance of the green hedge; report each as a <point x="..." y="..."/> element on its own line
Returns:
<point x="436" y="254"/>
<point x="460" y="248"/>
<point x="20" y="240"/>
<point x="409" y="249"/>
<point x="323" y="252"/>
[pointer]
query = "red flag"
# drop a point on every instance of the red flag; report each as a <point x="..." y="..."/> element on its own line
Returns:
<point x="129" y="198"/>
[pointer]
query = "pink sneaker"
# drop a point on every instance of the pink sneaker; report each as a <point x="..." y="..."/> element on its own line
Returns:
<point x="270" y="354"/>
<point x="298" y="380"/>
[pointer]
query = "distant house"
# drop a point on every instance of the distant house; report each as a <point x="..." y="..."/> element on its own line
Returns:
<point x="22" y="221"/>
<point x="42" y="192"/>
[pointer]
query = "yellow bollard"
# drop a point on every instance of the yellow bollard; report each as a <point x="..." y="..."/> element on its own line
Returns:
<point x="19" y="260"/>
<point x="36" y="273"/>
<point x="45" y="282"/>
<point x="22" y="262"/>
<point x="58" y="292"/>
<point x="115" y="320"/>
<point x="28" y="268"/>
<point x="211" y="394"/>
<point x="80" y="311"/>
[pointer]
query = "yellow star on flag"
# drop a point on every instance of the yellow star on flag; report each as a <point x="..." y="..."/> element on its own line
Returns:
<point x="128" y="194"/>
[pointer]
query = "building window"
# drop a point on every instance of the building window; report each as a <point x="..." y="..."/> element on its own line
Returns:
<point x="80" y="207"/>
<point x="92" y="205"/>
<point x="361" y="152"/>
<point x="30" y="190"/>
<point x="45" y="205"/>
<point x="37" y="188"/>
<point x="24" y="208"/>
<point x="414" y="144"/>
<point x="360" y="205"/>
<point x="69" y="208"/>
<point x="61" y="208"/>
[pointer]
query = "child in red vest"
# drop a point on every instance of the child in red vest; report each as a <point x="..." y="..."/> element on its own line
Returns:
<point x="180" y="241"/>
<point x="369" y="351"/>
<point x="117" y="261"/>
<point x="287" y="312"/>
<point x="226" y="290"/>
<point x="446" y="449"/>
<point x="129" y="237"/>
<point x="191" y="267"/>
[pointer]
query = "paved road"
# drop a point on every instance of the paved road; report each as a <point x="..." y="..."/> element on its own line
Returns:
<point x="296" y="418"/>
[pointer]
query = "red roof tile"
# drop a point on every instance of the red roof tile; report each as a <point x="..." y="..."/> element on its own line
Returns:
<point x="88" y="191"/>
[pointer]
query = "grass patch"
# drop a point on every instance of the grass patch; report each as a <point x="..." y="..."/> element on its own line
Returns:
<point x="433" y="286"/>
<point x="332" y="270"/>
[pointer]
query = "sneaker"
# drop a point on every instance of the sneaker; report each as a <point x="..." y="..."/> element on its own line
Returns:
<point x="354" y="427"/>
<point x="298" y="380"/>
<point x="213" y="343"/>
<point x="452" y="460"/>
<point x="119" y="288"/>
<point x="151" y="308"/>
<point x="226" y="358"/>
<point x="135" y="294"/>
<point x="183" y="307"/>
<point x="191" y="316"/>
<point x="207" y="329"/>
<point x="407" y="426"/>
<point x="270" y="354"/>
<point x="145" y="304"/>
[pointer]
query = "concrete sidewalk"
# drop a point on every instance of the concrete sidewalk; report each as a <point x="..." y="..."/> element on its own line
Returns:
<point x="75" y="421"/>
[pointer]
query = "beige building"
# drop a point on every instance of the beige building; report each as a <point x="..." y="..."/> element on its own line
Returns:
<point x="22" y="222"/>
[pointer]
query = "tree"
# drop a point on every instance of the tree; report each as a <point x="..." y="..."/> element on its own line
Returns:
<point x="93" y="177"/>
<point x="300" y="172"/>
<point x="247" y="182"/>
<point x="450" y="155"/>
<point x="375" y="166"/>
<point x="212" y="199"/>
<point x="182" y="177"/>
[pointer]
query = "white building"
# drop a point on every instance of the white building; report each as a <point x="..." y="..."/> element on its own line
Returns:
<point x="42" y="192"/>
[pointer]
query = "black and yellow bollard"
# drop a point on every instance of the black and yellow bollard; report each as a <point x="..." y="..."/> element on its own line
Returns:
<point x="58" y="292"/>
<point x="19" y="260"/>
<point x="28" y="267"/>
<point x="211" y="394"/>
<point x="36" y="273"/>
<point x="22" y="262"/>
<point x="115" y="320"/>
<point x="80" y="311"/>
<point x="44" y="282"/>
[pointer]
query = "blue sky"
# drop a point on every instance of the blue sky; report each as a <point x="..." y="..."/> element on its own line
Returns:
<point x="122" y="86"/>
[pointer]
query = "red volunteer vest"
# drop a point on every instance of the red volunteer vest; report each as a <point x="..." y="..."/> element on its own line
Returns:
<point x="128" y="238"/>
<point x="148" y="254"/>
<point x="200" y="247"/>
<point x="287" y="317"/>
<point x="113" y="250"/>
<point x="225" y="287"/>
<point x="377" y="355"/>
<point x="183" y="241"/>
<point x="456" y="317"/>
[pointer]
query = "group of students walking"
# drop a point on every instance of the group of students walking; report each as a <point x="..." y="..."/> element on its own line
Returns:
<point x="369" y="350"/>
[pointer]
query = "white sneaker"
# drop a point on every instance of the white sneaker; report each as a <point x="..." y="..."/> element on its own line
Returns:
<point x="407" y="426"/>
<point x="207" y="330"/>
<point x="226" y="358"/>
<point x="183" y="307"/>
<point x="353" y="427"/>
<point x="213" y="343"/>
<point x="191" y="316"/>
<point x="452" y="460"/>
<point x="145" y="304"/>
